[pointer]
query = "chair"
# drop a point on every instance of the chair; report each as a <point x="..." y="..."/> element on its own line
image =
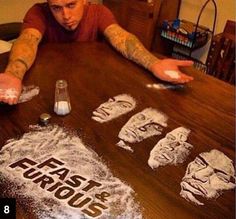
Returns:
<point x="221" y="57"/>
<point x="140" y="17"/>
<point x="10" y="31"/>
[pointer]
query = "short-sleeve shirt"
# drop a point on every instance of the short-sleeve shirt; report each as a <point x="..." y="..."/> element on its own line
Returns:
<point x="96" y="18"/>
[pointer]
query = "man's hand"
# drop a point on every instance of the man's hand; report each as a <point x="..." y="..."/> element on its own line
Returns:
<point x="10" y="88"/>
<point x="167" y="70"/>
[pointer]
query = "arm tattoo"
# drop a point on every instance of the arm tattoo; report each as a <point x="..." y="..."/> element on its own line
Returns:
<point x="129" y="46"/>
<point x="22" y="54"/>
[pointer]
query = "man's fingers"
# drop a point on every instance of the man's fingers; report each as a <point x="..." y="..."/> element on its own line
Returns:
<point x="184" y="62"/>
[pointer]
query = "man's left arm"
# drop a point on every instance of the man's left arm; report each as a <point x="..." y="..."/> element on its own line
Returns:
<point x="129" y="45"/>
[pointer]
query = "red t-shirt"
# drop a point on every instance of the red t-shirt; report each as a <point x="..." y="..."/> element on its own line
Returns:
<point x="95" y="20"/>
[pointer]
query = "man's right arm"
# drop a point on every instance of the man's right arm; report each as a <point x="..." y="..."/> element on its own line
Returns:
<point x="21" y="58"/>
<point x="23" y="52"/>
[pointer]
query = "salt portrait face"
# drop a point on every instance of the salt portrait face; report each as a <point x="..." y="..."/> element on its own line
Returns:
<point x="114" y="107"/>
<point x="142" y="125"/>
<point x="173" y="149"/>
<point x="207" y="176"/>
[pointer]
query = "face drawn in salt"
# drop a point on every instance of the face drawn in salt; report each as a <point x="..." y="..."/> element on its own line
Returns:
<point x="114" y="107"/>
<point x="173" y="149"/>
<point x="79" y="167"/>
<point x="28" y="92"/>
<point x="207" y="176"/>
<point x="143" y="125"/>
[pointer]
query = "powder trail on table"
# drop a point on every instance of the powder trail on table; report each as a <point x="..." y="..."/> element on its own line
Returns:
<point x="165" y="86"/>
<point x="78" y="173"/>
<point x="28" y="92"/>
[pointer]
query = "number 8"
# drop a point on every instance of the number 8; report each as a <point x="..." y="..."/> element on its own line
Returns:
<point x="6" y="209"/>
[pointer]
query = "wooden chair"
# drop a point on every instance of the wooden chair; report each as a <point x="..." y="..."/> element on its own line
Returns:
<point x="10" y="31"/>
<point x="140" y="17"/>
<point x="137" y="16"/>
<point x="221" y="57"/>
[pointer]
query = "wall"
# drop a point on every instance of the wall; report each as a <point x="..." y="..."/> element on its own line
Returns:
<point x="14" y="10"/>
<point x="190" y="9"/>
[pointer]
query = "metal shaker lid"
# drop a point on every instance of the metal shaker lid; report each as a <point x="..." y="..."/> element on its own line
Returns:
<point x="44" y="118"/>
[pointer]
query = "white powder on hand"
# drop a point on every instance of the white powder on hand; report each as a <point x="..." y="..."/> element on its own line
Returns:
<point x="8" y="93"/>
<point x="80" y="167"/>
<point x="28" y="92"/>
<point x="172" y="74"/>
<point x="122" y="144"/>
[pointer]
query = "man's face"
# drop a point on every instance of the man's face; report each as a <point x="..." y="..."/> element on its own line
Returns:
<point x="209" y="174"/>
<point x="68" y="13"/>
<point x="114" y="107"/>
<point x="172" y="149"/>
<point x="142" y="125"/>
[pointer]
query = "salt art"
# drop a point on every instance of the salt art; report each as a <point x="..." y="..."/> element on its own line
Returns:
<point x="114" y="107"/>
<point x="63" y="178"/>
<point x="28" y="92"/>
<point x="173" y="149"/>
<point x="172" y="74"/>
<point x="165" y="86"/>
<point x="207" y="176"/>
<point x="142" y="125"/>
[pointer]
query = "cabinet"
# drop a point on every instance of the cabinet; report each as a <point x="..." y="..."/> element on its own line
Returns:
<point x="143" y="18"/>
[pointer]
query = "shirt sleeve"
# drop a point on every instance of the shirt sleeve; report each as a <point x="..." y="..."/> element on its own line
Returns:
<point x="35" y="18"/>
<point x="106" y="18"/>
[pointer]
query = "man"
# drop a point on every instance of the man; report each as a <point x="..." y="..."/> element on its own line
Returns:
<point x="74" y="20"/>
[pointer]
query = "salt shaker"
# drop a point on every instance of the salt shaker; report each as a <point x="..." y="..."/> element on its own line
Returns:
<point x="62" y="100"/>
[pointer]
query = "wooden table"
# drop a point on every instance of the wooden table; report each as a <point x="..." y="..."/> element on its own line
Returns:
<point x="95" y="72"/>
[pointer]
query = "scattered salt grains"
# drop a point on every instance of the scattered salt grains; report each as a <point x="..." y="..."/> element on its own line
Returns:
<point x="42" y="143"/>
<point x="28" y="92"/>
<point x="172" y="74"/>
<point x="125" y="146"/>
<point x="164" y="86"/>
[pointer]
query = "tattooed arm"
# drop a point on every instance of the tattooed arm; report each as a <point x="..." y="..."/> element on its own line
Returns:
<point x="132" y="48"/>
<point x="22" y="56"/>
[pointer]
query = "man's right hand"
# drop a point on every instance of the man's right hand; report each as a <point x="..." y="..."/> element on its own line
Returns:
<point x="10" y="88"/>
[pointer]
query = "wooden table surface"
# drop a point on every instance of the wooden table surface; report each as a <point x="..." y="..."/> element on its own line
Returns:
<point x="95" y="72"/>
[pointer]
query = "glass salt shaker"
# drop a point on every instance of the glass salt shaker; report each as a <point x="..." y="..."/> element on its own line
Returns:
<point x="62" y="100"/>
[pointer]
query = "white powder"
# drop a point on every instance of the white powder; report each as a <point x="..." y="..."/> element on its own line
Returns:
<point x="125" y="146"/>
<point x="28" y="92"/>
<point x="114" y="107"/>
<point x="147" y="123"/>
<point x="8" y="93"/>
<point x="43" y="143"/>
<point x="62" y="108"/>
<point x="164" y="86"/>
<point x="207" y="176"/>
<point x="173" y="149"/>
<point x="172" y="74"/>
